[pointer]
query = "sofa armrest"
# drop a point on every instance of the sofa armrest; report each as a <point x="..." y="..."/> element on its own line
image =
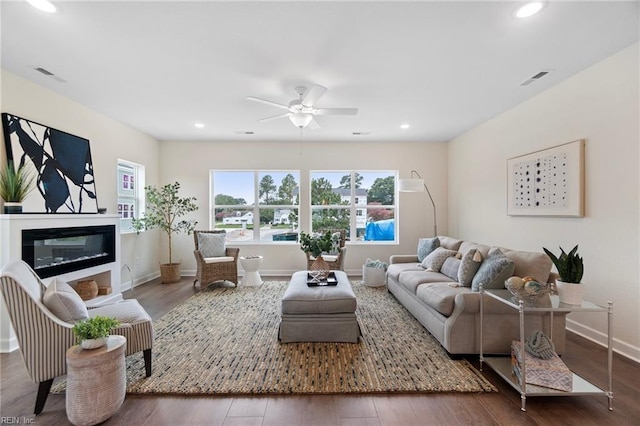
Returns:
<point x="403" y="258"/>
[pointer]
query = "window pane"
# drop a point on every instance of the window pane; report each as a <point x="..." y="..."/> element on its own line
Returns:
<point x="233" y="188"/>
<point x="326" y="188"/>
<point x="283" y="225"/>
<point x="380" y="224"/>
<point x="379" y="187"/>
<point x="278" y="188"/>
<point x="329" y="219"/>
<point x="237" y="222"/>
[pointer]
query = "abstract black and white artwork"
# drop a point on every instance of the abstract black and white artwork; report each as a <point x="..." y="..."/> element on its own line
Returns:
<point x="547" y="182"/>
<point x="62" y="164"/>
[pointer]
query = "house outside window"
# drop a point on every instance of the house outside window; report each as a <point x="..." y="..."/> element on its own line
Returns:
<point x="361" y="202"/>
<point x="131" y="200"/>
<point x="255" y="205"/>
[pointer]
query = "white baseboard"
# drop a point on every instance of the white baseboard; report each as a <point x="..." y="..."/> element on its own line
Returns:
<point x="8" y="345"/>
<point x="623" y="348"/>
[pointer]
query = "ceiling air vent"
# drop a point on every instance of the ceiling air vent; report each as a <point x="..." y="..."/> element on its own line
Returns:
<point x="49" y="74"/>
<point x="535" y="78"/>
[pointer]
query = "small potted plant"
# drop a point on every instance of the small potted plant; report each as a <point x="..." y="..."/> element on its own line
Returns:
<point x="163" y="209"/>
<point x="15" y="185"/>
<point x="570" y="268"/>
<point x="93" y="333"/>
<point x="315" y="245"/>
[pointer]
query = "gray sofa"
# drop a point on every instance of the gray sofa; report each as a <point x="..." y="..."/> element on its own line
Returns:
<point x="451" y="312"/>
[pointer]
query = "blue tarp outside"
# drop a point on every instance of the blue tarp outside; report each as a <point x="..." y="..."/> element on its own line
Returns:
<point x="382" y="230"/>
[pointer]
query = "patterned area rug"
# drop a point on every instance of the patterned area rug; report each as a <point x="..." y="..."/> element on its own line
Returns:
<point x="223" y="341"/>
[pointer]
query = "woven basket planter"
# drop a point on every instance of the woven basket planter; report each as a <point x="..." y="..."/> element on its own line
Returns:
<point x="87" y="289"/>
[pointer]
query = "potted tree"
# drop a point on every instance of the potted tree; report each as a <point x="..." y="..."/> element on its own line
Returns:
<point x="15" y="185"/>
<point x="163" y="209"/>
<point x="93" y="333"/>
<point x="570" y="268"/>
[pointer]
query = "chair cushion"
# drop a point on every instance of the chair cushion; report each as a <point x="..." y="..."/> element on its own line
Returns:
<point x="126" y="311"/>
<point x="212" y="245"/>
<point x="220" y="259"/>
<point x="63" y="301"/>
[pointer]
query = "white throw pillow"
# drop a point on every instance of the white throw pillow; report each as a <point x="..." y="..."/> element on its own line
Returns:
<point x="63" y="301"/>
<point x="212" y="245"/>
<point x="434" y="261"/>
<point x="469" y="265"/>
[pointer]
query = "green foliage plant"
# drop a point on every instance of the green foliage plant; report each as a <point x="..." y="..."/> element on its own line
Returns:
<point x="163" y="209"/>
<point x="570" y="266"/>
<point x="315" y="244"/>
<point x="15" y="184"/>
<point x="94" y="328"/>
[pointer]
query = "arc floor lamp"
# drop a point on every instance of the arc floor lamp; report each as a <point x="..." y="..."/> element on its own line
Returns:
<point x="418" y="185"/>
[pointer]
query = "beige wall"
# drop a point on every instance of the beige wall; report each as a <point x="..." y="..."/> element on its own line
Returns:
<point x="190" y="162"/>
<point x="599" y="105"/>
<point x="109" y="141"/>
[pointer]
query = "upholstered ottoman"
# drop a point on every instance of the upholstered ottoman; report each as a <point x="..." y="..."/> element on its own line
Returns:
<point x="319" y="314"/>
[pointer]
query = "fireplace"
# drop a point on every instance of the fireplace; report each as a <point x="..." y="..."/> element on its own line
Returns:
<point x="56" y="251"/>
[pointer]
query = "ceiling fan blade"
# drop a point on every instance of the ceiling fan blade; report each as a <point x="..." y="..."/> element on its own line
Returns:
<point x="336" y="111"/>
<point x="313" y="125"/>
<point x="312" y="96"/>
<point x="264" y="101"/>
<point x="286" y="114"/>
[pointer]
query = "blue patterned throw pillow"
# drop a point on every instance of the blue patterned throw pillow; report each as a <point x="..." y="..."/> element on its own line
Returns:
<point x="426" y="246"/>
<point x="493" y="272"/>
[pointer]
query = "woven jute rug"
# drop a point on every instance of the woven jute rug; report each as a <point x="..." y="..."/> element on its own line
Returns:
<point x="224" y="341"/>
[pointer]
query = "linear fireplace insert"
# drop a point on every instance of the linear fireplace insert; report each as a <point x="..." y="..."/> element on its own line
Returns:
<point x="56" y="251"/>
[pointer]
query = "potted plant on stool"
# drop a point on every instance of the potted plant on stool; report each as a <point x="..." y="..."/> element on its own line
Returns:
<point x="570" y="268"/>
<point x="93" y="333"/>
<point x="163" y="209"/>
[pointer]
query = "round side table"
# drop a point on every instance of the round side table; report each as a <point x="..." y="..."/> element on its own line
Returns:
<point x="96" y="382"/>
<point x="251" y="264"/>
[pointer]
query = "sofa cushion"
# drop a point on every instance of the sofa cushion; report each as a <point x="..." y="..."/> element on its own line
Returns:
<point x="211" y="245"/>
<point x="410" y="280"/>
<point x="532" y="264"/>
<point x="64" y="302"/>
<point x="434" y="261"/>
<point x="467" y="245"/>
<point x="426" y="246"/>
<point x="495" y="269"/>
<point x="450" y="243"/>
<point x="439" y="296"/>
<point x="469" y="266"/>
<point x="395" y="269"/>
<point x="450" y="267"/>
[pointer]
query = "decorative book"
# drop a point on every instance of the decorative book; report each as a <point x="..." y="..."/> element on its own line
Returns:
<point x="550" y="373"/>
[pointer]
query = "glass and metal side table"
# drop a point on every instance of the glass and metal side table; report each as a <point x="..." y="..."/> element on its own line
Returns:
<point x="549" y="304"/>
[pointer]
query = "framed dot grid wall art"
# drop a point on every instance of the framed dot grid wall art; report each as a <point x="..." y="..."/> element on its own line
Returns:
<point x="549" y="182"/>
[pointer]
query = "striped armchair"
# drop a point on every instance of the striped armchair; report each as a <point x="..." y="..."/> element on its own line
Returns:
<point x="44" y="338"/>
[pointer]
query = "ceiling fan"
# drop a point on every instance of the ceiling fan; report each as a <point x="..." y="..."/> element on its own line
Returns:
<point x="301" y="111"/>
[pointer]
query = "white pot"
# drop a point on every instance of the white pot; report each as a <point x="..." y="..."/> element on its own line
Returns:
<point x="570" y="293"/>
<point x="94" y="343"/>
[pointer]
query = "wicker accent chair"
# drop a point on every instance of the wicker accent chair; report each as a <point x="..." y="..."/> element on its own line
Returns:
<point x="44" y="337"/>
<point x="213" y="269"/>
<point x="336" y="262"/>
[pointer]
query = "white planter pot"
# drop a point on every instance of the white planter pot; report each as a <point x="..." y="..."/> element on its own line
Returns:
<point x="570" y="293"/>
<point x="94" y="343"/>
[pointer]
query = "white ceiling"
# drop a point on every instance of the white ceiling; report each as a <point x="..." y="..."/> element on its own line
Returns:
<point x="443" y="67"/>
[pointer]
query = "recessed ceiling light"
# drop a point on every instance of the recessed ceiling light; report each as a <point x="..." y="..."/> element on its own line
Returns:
<point x="405" y="126"/>
<point x="43" y="5"/>
<point x="199" y="125"/>
<point x="529" y="9"/>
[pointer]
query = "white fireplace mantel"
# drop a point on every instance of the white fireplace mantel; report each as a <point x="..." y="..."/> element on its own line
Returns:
<point x="11" y="226"/>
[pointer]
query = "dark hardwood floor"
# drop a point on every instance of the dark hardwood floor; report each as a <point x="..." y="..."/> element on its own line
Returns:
<point x="18" y="395"/>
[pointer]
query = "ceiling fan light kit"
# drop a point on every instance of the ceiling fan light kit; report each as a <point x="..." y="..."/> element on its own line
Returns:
<point x="301" y="111"/>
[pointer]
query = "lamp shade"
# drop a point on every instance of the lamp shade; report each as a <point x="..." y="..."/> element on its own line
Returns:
<point x="411" y="185"/>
